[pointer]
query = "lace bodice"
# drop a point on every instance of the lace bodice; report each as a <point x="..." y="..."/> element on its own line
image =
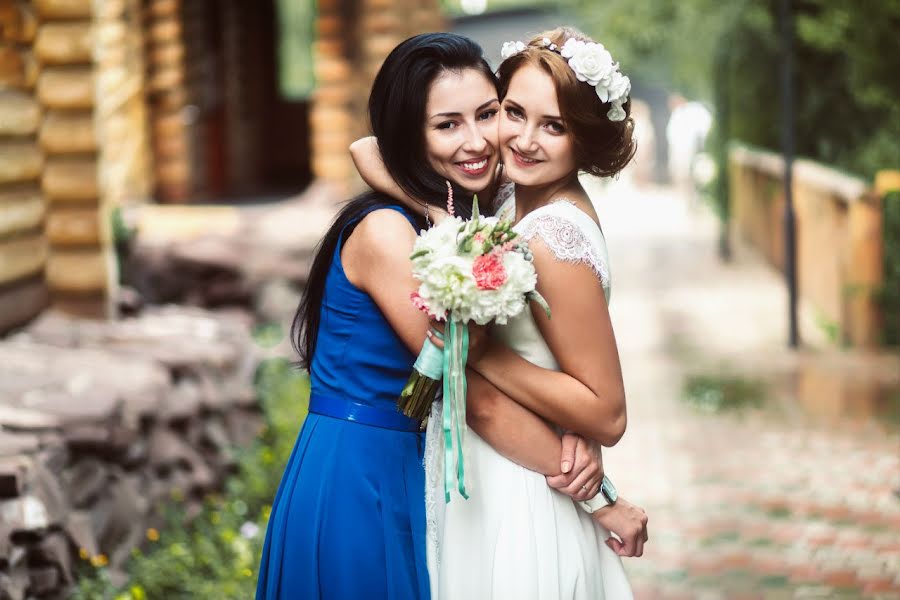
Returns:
<point x="572" y="236"/>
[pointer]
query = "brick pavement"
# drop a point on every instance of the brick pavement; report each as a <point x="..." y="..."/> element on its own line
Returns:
<point x="782" y="486"/>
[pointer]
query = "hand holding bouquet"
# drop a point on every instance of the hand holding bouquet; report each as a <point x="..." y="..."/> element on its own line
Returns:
<point x="470" y="271"/>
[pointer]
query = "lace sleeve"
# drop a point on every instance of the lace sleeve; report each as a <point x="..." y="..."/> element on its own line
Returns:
<point x="567" y="239"/>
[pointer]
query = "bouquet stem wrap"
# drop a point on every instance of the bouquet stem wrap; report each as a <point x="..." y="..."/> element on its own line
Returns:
<point x="456" y="351"/>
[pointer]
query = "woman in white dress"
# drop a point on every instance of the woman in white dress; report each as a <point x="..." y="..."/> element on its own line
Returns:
<point x="516" y="537"/>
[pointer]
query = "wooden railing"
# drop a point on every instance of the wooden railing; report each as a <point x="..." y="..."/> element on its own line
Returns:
<point x="839" y="237"/>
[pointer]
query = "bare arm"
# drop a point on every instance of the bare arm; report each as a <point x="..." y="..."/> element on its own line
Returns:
<point x="587" y="395"/>
<point x="376" y="259"/>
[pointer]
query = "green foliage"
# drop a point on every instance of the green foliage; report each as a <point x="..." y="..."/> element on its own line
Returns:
<point x="890" y="291"/>
<point x="217" y="555"/>
<point x="729" y="54"/>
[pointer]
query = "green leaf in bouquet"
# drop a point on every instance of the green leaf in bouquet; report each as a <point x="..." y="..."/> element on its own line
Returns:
<point x="419" y="253"/>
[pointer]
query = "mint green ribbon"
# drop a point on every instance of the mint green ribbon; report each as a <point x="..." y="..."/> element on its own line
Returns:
<point x="456" y="351"/>
<point x="430" y="361"/>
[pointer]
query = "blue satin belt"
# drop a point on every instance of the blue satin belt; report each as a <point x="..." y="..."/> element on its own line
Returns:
<point x="340" y="408"/>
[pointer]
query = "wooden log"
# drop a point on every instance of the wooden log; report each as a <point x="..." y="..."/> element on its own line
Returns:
<point x="111" y="34"/>
<point x="69" y="179"/>
<point x="73" y="227"/>
<point x="170" y="147"/>
<point x="333" y="95"/>
<point x="89" y="305"/>
<point x="21" y="208"/>
<point x="22" y="256"/>
<point x="166" y="78"/>
<point x="168" y="125"/>
<point x="327" y="118"/>
<point x="166" y="54"/>
<point x="164" y="8"/>
<point x="66" y="87"/>
<point x="18" y="22"/>
<point x="22" y="301"/>
<point x="329" y="26"/>
<point x="170" y="100"/>
<point x="165" y="31"/>
<point x="64" y="43"/>
<point x="330" y="70"/>
<point x="20" y="160"/>
<point x="173" y="172"/>
<point x="64" y="132"/>
<point x="20" y="114"/>
<point x="12" y="66"/>
<point x="111" y="10"/>
<point x="63" y="9"/>
<point x="77" y="271"/>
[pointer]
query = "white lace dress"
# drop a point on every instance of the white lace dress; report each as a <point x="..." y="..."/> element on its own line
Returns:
<point x="515" y="537"/>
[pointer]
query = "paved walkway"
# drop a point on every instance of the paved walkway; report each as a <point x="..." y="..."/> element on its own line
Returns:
<point x="767" y="474"/>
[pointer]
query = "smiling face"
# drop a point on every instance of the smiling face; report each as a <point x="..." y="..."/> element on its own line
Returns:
<point x="461" y="128"/>
<point x="537" y="148"/>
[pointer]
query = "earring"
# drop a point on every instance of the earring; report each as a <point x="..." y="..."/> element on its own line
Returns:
<point x="427" y="220"/>
<point x="450" y="210"/>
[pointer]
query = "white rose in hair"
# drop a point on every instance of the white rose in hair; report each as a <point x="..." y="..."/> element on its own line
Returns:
<point x="616" y="113"/>
<point x="618" y="87"/>
<point x="591" y="62"/>
<point x="511" y="48"/>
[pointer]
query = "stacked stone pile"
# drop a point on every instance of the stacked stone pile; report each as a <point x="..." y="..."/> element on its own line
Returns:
<point x="100" y="421"/>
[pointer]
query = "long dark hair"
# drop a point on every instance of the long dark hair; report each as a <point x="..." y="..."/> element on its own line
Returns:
<point x="397" y="117"/>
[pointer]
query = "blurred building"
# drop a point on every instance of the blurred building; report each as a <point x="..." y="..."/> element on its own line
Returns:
<point x="109" y="102"/>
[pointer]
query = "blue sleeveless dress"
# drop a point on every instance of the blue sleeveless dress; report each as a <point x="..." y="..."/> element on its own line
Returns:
<point x="348" y="520"/>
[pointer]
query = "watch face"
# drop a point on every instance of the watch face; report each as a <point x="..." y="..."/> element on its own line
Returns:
<point x="608" y="490"/>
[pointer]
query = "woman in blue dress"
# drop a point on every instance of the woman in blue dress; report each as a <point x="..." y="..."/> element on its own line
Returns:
<point x="348" y="520"/>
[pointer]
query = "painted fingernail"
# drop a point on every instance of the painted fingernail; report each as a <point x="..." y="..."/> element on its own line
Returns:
<point x="566" y="467"/>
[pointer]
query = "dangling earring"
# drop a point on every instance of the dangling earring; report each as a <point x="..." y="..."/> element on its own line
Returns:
<point x="450" y="210"/>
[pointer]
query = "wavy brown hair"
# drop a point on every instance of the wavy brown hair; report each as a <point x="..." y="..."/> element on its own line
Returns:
<point x="602" y="147"/>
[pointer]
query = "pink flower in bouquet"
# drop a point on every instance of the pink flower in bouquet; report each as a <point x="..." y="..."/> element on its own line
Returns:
<point x="489" y="271"/>
<point x="418" y="302"/>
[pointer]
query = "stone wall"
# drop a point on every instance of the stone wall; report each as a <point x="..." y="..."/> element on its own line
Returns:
<point x="839" y="236"/>
<point x="101" y="421"/>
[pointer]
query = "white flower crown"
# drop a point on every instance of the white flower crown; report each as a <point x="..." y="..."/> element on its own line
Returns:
<point x="594" y="65"/>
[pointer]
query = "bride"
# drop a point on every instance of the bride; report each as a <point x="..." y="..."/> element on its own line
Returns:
<point x="564" y="110"/>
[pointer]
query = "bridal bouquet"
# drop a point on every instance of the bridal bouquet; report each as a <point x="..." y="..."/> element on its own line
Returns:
<point x="469" y="271"/>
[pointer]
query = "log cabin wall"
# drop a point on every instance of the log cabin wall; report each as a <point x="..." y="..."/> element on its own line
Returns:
<point x="23" y="249"/>
<point x="353" y="39"/>
<point x="94" y="141"/>
<point x="167" y="98"/>
<point x="86" y="84"/>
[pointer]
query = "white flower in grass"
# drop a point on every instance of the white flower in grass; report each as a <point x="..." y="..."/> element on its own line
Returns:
<point x="510" y="49"/>
<point x="249" y="530"/>
<point x="590" y="61"/>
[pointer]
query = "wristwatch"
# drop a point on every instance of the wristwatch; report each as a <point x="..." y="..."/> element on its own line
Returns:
<point x="607" y="496"/>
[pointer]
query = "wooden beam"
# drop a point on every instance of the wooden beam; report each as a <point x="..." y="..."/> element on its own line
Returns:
<point x="22" y="256"/>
